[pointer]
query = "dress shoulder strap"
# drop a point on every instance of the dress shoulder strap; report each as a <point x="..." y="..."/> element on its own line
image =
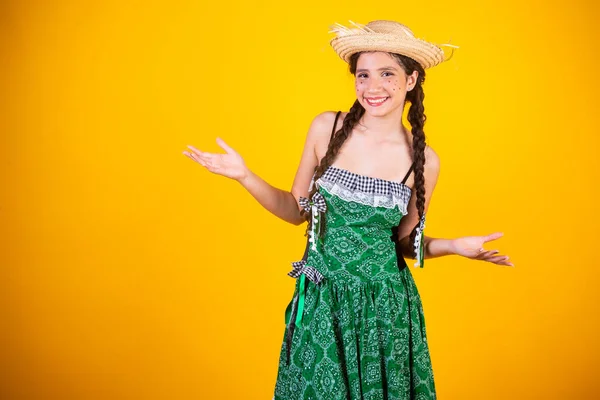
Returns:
<point x="335" y="123"/>
<point x="337" y="116"/>
<point x="412" y="166"/>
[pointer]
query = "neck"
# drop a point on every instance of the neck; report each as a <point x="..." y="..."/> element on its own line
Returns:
<point x="386" y="125"/>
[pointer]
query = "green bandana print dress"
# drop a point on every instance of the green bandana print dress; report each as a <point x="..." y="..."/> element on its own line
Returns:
<point x="355" y="327"/>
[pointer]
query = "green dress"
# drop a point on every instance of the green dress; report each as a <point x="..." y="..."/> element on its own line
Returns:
<point x="355" y="326"/>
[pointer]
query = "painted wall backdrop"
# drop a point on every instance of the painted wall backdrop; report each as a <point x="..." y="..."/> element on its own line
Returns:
<point x="130" y="272"/>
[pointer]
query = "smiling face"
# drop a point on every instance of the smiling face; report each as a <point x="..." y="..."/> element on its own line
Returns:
<point x="381" y="83"/>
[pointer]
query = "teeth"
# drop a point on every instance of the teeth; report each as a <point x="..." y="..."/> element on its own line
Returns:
<point x="376" y="101"/>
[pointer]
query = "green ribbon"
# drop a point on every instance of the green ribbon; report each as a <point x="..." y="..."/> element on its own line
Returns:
<point x="422" y="251"/>
<point x="300" y="298"/>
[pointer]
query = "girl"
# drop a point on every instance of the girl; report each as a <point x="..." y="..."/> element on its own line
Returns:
<point x="355" y="327"/>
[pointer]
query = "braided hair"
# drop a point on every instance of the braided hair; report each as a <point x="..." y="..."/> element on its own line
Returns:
<point x="416" y="118"/>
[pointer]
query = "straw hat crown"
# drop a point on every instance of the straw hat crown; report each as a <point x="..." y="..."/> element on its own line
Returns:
<point x="388" y="36"/>
<point x="391" y="27"/>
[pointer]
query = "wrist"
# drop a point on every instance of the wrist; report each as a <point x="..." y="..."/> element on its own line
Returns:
<point x="452" y="248"/>
<point x="437" y="247"/>
<point x="246" y="177"/>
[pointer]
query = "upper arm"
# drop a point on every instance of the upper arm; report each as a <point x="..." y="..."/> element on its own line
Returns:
<point x="318" y="134"/>
<point x="431" y="173"/>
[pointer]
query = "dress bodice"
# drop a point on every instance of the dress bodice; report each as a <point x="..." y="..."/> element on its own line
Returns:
<point x="386" y="201"/>
<point x="360" y="213"/>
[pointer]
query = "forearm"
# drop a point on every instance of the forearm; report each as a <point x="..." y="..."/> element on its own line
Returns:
<point x="279" y="202"/>
<point x="434" y="247"/>
<point x="437" y="247"/>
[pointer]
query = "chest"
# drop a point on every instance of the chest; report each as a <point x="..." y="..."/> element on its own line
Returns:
<point x="387" y="160"/>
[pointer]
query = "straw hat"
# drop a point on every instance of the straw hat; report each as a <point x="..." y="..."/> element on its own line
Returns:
<point x="388" y="36"/>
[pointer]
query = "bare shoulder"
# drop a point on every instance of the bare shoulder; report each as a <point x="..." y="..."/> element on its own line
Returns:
<point x="322" y="124"/>
<point x="321" y="129"/>
<point x="432" y="162"/>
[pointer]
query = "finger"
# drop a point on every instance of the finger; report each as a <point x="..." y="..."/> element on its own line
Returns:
<point x="479" y="254"/>
<point x="205" y="158"/>
<point x="493" y="236"/>
<point x="497" y="259"/>
<point x="189" y="155"/>
<point x="193" y="149"/>
<point x="193" y="157"/>
<point x="225" y="146"/>
<point x="487" y="254"/>
<point x="200" y="153"/>
<point x="506" y="263"/>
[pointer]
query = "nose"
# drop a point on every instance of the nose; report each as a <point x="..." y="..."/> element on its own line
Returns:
<point x="374" y="85"/>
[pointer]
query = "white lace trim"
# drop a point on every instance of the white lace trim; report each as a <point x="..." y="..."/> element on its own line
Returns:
<point x="312" y="234"/>
<point x="419" y="242"/>
<point x="388" y="200"/>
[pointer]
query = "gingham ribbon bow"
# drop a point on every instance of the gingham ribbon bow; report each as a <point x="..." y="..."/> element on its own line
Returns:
<point x="318" y="201"/>
<point x="300" y="268"/>
<point x="314" y="207"/>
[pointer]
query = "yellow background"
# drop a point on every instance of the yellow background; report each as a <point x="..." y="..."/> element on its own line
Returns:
<point x="130" y="272"/>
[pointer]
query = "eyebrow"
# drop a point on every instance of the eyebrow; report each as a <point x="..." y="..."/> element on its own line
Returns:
<point x="380" y="69"/>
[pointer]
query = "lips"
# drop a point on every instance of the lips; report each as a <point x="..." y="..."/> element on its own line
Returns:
<point x="375" y="101"/>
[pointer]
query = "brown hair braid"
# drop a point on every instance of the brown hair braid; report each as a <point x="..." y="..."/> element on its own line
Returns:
<point x="335" y="143"/>
<point x="416" y="118"/>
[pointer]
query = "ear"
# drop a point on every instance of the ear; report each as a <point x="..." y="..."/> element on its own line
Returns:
<point x="411" y="80"/>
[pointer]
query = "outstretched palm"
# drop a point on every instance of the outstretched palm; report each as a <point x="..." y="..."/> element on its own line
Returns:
<point x="472" y="247"/>
<point x="230" y="164"/>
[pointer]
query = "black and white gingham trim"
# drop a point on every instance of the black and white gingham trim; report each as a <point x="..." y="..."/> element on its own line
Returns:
<point x="300" y="268"/>
<point x="366" y="184"/>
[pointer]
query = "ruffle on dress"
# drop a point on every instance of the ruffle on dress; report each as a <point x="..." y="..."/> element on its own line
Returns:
<point x="365" y="190"/>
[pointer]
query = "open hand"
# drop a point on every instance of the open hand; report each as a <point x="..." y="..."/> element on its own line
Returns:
<point x="472" y="247"/>
<point x="229" y="164"/>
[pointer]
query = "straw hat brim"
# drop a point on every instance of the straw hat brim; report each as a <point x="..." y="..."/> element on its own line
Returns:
<point x="425" y="53"/>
